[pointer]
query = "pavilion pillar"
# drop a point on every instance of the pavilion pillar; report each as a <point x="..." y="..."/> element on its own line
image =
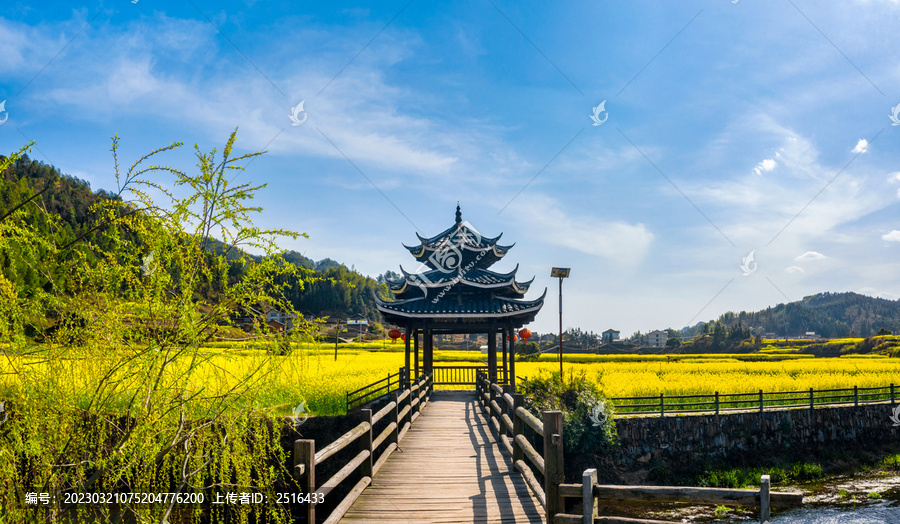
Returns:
<point x="409" y="334"/>
<point x="512" y="369"/>
<point x="492" y="353"/>
<point x="512" y="352"/>
<point x="416" y="346"/>
<point x="428" y="355"/>
<point x="504" y="333"/>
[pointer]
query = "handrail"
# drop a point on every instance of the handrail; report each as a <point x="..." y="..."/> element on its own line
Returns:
<point x="361" y="396"/>
<point x="456" y="375"/>
<point x="507" y="415"/>
<point x="759" y="401"/>
<point x="368" y="460"/>
<point x="589" y="492"/>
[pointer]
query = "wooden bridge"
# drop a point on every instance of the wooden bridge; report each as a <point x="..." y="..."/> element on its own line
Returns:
<point x="451" y="469"/>
<point x="473" y="456"/>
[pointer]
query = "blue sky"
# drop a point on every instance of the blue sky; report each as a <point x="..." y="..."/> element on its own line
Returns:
<point x="731" y="128"/>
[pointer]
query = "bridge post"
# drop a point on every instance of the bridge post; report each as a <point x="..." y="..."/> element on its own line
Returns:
<point x="589" y="508"/>
<point x="492" y="397"/>
<point x="764" y="499"/>
<point x="553" y="462"/>
<point x="305" y="455"/>
<point x="504" y="408"/>
<point x="366" y="445"/>
<point x="518" y="429"/>
<point x="395" y="418"/>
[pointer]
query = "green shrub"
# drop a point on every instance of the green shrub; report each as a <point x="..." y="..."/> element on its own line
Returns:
<point x="588" y="424"/>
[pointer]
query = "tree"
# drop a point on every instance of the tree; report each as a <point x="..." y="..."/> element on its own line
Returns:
<point x="145" y="294"/>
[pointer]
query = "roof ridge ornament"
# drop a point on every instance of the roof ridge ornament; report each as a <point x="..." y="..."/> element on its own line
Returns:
<point x="458" y="213"/>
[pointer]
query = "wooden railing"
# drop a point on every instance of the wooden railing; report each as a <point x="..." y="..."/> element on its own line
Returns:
<point x="396" y="417"/>
<point x="376" y="390"/>
<point x="456" y="375"/>
<point x="517" y="428"/>
<point x="757" y="401"/>
<point x="589" y="492"/>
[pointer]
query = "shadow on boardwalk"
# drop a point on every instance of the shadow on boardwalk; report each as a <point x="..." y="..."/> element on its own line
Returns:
<point x="449" y="469"/>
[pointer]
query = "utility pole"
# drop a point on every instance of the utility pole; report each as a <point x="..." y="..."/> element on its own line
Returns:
<point x="337" y="334"/>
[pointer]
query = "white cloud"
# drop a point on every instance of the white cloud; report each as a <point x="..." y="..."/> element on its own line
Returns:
<point x="795" y="269"/>
<point x="766" y="165"/>
<point x="893" y="236"/>
<point x="862" y="146"/>
<point x="617" y="241"/>
<point x="811" y="255"/>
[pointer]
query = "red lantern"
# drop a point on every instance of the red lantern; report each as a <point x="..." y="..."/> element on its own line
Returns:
<point x="394" y="334"/>
<point x="525" y="334"/>
<point x="403" y="337"/>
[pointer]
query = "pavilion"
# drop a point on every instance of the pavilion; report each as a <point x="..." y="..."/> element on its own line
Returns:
<point x="454" y="292"/>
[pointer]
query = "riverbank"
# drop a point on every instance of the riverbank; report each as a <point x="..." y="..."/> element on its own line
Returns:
<point x="843" y="482"/>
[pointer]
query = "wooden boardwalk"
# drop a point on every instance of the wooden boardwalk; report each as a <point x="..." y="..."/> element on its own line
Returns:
<point x="449" y="469"/>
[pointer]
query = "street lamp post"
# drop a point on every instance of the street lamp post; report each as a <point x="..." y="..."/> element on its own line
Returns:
<point x="561" y="273"/>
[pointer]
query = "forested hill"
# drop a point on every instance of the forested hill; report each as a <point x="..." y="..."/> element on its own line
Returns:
<point x="335" y="291"/>
<point x="829" y="315"/>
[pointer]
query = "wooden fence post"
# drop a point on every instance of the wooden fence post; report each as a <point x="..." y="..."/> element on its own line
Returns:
<point x="305" y="454"/>
<point x="856" y="396"/>
<point x="491" y="396"/>
<point x="812" y="399"/>
<point x="395" y="418"/>
<point x="662" y="405"/>
<point x="518" y="429"/>
<point x="478" y="385"/>
<point x="717" y="402"/>
<point x="760" y="401"/>
<point x="764" y="499"/>
<point x="366" y="444"/>
<point x="589" y="512"/>
<point x="553" y="462"/>
<point x="504" y="408"/>
<point x="892" y="394"/>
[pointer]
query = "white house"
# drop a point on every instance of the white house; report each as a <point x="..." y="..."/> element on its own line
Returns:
<point x="281" y="317"/>
<point x="657" y="339"/>
<point x="608" y="336"/>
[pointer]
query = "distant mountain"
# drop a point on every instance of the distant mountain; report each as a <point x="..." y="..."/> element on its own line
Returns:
<point x="335" y="290"/>
<point x="829" y="315"/>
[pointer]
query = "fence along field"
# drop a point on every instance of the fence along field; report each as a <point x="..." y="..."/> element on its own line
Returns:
<point x="312" y="374"/>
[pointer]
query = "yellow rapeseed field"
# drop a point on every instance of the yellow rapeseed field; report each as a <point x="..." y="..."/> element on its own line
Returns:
<point x="311" y="374"/>
<point x="706" y="375"/>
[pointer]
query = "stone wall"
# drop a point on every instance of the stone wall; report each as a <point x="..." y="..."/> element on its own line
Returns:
<point x="688" y="437"/>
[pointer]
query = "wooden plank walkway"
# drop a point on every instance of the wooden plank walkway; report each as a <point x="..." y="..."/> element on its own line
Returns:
<point x="449" y="469"/>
